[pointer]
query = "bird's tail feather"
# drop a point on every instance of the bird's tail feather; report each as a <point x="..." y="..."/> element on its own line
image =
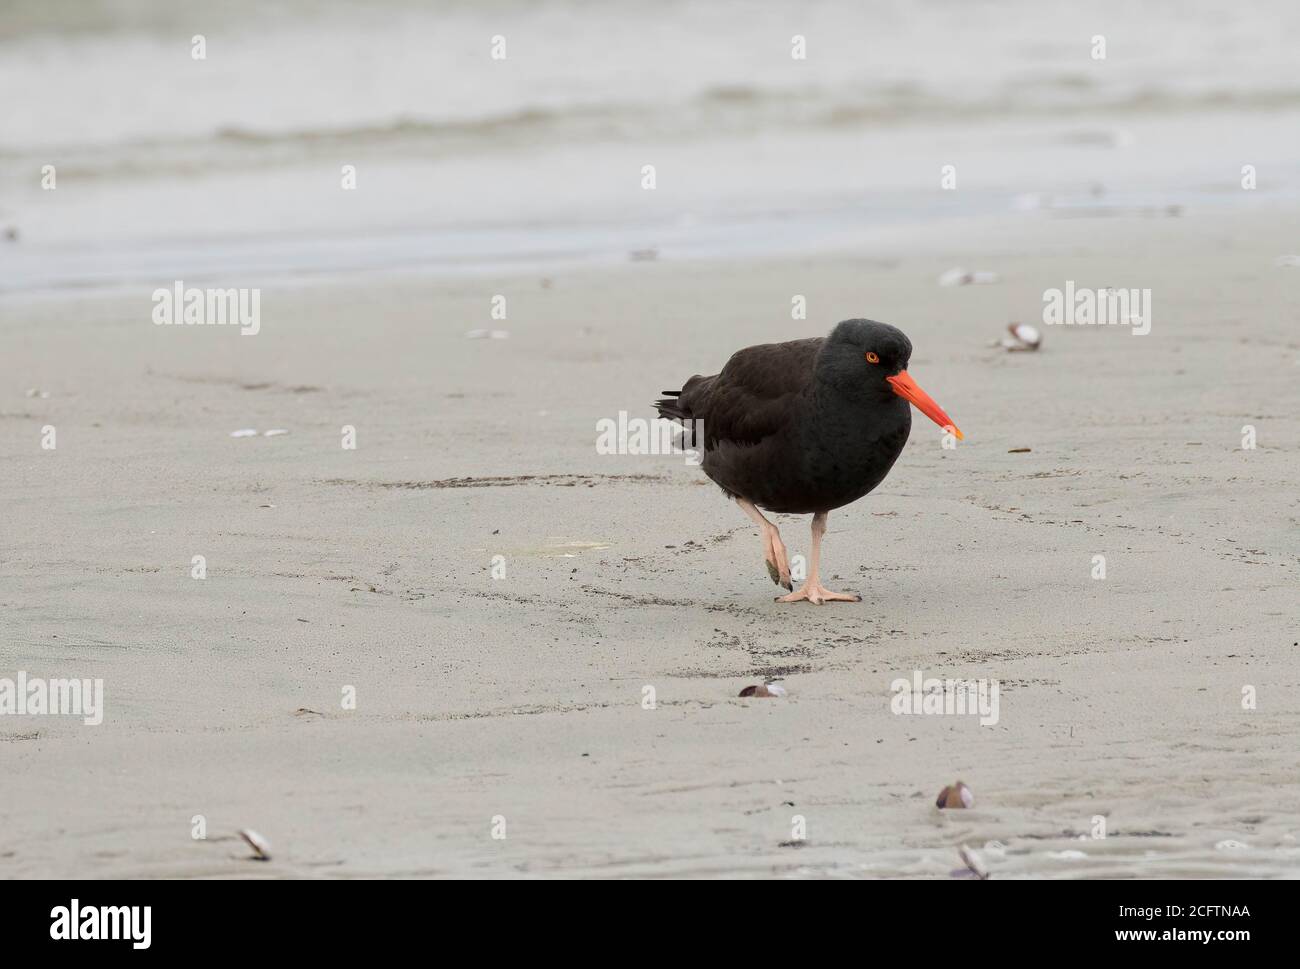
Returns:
<point x="672" y="407"/>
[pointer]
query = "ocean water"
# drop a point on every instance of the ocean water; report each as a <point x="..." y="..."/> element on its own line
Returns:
<point x="231" y="165"/>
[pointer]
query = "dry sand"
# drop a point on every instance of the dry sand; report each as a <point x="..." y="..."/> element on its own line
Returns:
<point x="521" y="697"/>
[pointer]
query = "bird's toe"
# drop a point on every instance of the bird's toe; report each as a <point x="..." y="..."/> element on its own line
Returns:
<point x="828" y="596"/>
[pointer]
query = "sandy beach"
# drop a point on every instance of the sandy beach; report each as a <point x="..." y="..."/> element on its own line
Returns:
<point x="517" y="700"/>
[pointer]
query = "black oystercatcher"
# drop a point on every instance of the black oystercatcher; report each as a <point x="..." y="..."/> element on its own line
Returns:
<point x="804" y="427"/>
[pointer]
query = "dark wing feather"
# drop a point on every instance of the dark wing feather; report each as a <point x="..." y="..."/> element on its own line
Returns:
<point x="750" y="399"/>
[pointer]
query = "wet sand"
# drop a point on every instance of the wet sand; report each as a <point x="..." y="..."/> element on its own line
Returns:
<point x="520" y="697"/>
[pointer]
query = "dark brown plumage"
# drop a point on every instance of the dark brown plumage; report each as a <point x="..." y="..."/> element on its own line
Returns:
<point x="805" y="426"/>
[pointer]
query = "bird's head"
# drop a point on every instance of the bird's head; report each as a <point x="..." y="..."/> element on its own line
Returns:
<point x="871" y="356"/>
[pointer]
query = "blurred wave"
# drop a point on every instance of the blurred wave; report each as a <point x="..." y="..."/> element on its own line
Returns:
<point x="292" y="73"/>
<point x="716" y="112"/>
<point x="543" y="150"/>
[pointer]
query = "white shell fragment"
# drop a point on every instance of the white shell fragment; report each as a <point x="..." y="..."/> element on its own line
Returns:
<point x="274" y="432"/>
<point x="244" y="432"/>
<point x="974" y="862"/>
<point x="261" y="847"/>
<point x="958" y="276"/>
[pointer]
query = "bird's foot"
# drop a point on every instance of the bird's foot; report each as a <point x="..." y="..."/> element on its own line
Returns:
<point x="778" y="565"/>
<point x="816" y="593"/>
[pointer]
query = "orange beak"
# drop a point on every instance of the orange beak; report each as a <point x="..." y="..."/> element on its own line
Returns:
<point x="910" y="391"/>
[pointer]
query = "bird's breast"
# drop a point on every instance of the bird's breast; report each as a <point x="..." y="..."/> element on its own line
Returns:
<point x="824" y="458"/>
<point x="849" y="451"/>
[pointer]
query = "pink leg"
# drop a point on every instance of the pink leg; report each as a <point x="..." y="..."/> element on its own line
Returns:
<point x="812" y="589"/>
<point x="778" y="565"/>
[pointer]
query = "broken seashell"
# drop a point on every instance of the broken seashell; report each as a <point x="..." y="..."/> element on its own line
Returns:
<point x="274" y="432"/>
<point x="244" y="432"/>
<point x="261" y="847"/>
<point x="1023" y="337"/>
<point x="1231" y="844"/>
<point x="767" y="689"/>
<point x="955" y="796"/>
<point x="973" y="862"/>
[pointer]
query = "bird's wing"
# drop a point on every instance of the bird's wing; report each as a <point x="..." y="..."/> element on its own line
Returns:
<point x="749" y="400"/>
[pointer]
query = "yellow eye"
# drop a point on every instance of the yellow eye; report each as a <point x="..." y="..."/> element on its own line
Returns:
<point x="872" y="357"/>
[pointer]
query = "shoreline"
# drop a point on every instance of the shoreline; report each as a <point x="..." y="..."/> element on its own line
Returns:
<point x="409" y="256"/>
<point x="726" y="197"/>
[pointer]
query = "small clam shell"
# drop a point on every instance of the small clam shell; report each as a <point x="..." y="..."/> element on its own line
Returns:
<point x="1026" y="334"/>
<point x="767" y="689"/>
<point x="955" y="796"/>
<point x="261" y="847"/>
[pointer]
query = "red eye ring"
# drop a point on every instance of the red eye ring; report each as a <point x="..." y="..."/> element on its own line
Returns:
<point x="872" y="357"/>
